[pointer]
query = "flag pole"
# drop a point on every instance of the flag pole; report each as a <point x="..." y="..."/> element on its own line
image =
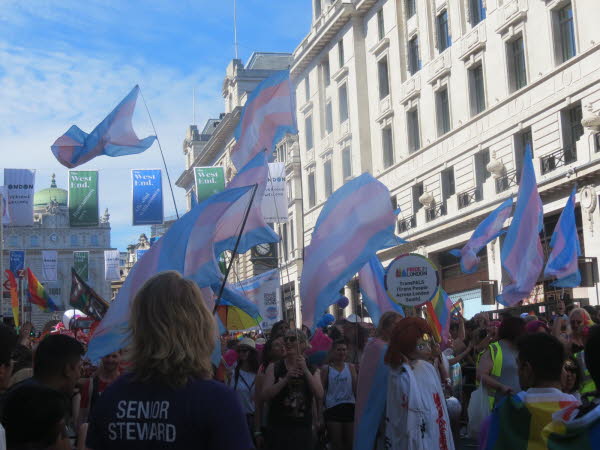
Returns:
<point x="235" y="42"/>
<point x="161" y="153"/>
<point x="234" y="253"/>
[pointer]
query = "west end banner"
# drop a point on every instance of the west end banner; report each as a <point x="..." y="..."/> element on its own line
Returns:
<point x="209" y="181"/>
<point x="83" y="198"/>
<point x="147" y="196"/>
<point x="81" y="264"/>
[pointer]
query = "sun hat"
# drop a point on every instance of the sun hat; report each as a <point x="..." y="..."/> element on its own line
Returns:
<point x="247" y="342"/>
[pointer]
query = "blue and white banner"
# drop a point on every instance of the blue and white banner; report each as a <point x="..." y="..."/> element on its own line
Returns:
<point x="19" y="184"/>
<point x="147" y="196"/>
<point x="139" y="253"/>
<point x="17" y="262"/>
<point x="263" y="290"/>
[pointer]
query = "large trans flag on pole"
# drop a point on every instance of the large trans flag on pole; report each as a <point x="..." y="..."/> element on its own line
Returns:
<point x="562" y="262"/>
<point x="372" y="287"/>
<point x="522" y="255"/>
<point x="114" y="136"/>
<point x="188" y="248"/>
<point x="356" y="222"/>
<point x="267" y="116"/>
<point x="486" y="232"/>
<point x="256" y="230"/>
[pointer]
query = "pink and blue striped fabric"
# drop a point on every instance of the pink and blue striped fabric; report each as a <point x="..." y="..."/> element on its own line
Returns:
<point x="267" y="116"/>
<point x="188" y="248"/>
<point x="356" y="222"/>
<point x="562" y="262"/>
<point x="522" y="255"/>
<point x="486" y="232"/>
<point x="256" y="231"/>
<point x="372" y="287"/>
<point x="114" y="136"/>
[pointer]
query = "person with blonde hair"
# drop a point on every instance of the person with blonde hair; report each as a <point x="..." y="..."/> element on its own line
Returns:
<point x="168" y="400"/>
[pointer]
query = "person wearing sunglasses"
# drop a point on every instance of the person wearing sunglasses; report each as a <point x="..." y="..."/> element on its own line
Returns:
<point x="292" y="387"/>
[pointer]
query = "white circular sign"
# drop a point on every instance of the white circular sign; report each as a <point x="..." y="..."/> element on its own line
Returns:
<point x="411" y="280"/>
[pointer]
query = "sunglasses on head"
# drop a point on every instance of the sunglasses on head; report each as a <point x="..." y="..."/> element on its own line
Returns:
<point x="570" y="368"/>
<point x="290" y="338"/>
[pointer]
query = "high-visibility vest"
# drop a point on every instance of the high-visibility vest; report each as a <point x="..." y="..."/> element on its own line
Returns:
<point x="587" y="384"/>
<point x="496" y="355"/>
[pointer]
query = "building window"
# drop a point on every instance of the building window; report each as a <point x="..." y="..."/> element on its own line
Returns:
<point x="343" y="99"/>
<point x="328" y="118"/>
<point x="290" y="194"/>
<point x="476" y="90"/>
<point x="411" y="8"/>
<point x="387" y="144"/>
<point x="572" y="131"/>
<point x="417" y="191"/>
<point x="448" y="184"/>
<point x="13" y="241"/>
<point x="284" y="242"/>
<point x="384" y="82"/>
<point x="317" y="8"/>
<point x="308" y="131"/>
<point x="523" y="140"/>
<point x="477" y="11"/>
<point x="412" y="123"/>
<point x="442" y="107"/>
<point x="341" y="58"/>
<point x="307" y="88"/>
<point x="515" y="55"/>
<point x="482" y="159"/>
<point x="347" y="162"/>
<point x="95" y="240"/>
<point x="444" y="40"/>
<point x="292" y="240"/>
<point x="326" y="71"/>
<point x="311" y="189"/>
<point x="74" y="240"/>
<point x="328" y="178"/>
<point x="34" y="241"/>
<point x="566" y="33"/>
<point x="380" y="24"/>
<point x="414" y="63"/>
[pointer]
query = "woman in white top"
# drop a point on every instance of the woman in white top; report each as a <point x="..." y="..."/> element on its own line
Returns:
<point x="339" y="380"/>
<point x="243" y="379"/>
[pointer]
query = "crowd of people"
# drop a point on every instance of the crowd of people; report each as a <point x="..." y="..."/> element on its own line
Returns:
<point x="518" y="383"/>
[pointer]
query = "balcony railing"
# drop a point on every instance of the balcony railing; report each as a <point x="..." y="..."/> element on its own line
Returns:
<point x="505" y="182"/>
<point x="559" y="158"/>
<point x="434" y="212"/>
<point x="406" y="224"/>
<point x="469" y="197"/>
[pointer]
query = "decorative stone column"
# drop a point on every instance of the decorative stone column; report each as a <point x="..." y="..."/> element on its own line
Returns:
<point x="590" y="215"/>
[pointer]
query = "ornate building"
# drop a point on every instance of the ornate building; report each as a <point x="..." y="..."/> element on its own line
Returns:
<point x="51" y="231"/>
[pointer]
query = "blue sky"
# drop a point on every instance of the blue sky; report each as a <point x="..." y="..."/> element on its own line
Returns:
<point x="70" y="62"/>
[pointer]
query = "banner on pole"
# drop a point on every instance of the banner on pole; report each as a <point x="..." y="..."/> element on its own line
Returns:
<point x="81" y="264"/>
<point x="83" y="198"/>
<point x="263" y="290"/>
<point x="17" y="262"/>
<point x="140" y="252"/>
<point x="4" y="206"/>
<point x="111" y="265"/>
<point x="147" y="196"/>
<point x="274" y="202"/>
<point x="49" y="265"/>
<point x="19" y="184"/>
<point x="209" y="181"/>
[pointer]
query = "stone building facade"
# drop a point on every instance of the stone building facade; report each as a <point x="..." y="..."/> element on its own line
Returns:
<point x="51" y="231"/>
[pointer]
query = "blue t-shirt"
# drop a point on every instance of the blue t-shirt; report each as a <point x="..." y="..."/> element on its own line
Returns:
<point x="204" y="414"/>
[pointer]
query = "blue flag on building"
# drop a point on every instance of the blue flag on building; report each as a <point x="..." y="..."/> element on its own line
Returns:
<point x="147" y="196"/>
<point x="562" y="262"/>
<point x="114" y="136"/>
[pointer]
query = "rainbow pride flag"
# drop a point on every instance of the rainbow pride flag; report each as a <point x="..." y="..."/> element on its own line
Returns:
<point x="439" y="315"/>
<point x="518" y="421"/>
<point x="568" y="430"/>
<point x="37" y="293"/>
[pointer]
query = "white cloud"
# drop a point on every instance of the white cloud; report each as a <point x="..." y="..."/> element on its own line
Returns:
<point x="45" y="92"/>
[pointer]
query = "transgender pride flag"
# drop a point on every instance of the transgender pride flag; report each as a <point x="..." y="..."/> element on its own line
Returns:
<point x="188" y="248"/>
<point x="522" y="255"/>
<point x="114" y="136"/>
<point x="356" y="222"/>
<point x="267" y="116"/>
<point x="256" y="231"/>
<point x="562" y="262"/>
<point x="486" y="232"/>
<point x="372" y="287"/>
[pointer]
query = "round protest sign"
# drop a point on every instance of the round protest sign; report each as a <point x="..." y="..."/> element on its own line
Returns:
<point x="411" y="280"/>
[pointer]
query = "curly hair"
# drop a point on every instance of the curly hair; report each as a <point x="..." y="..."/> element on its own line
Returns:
<point x="172" y="331"/>
<point x="405" y="334"/>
